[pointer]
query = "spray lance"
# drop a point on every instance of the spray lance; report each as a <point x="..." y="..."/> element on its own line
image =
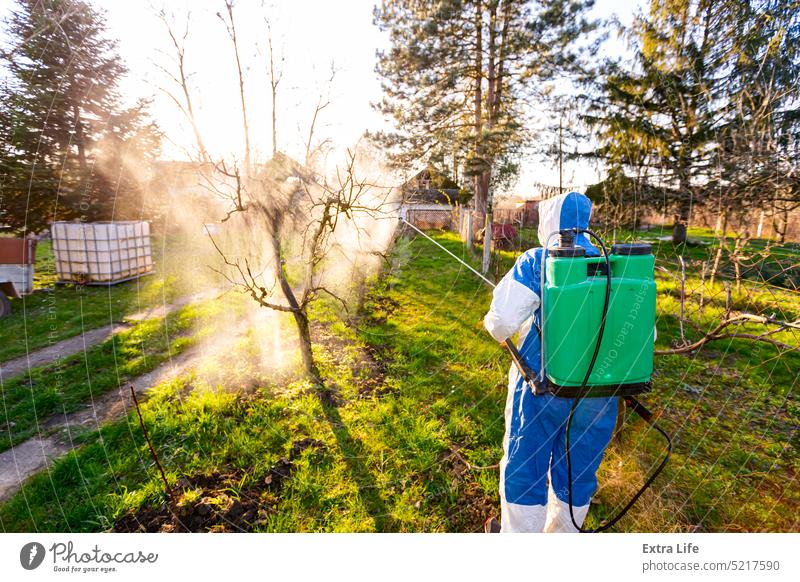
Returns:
<point x="616" y="294"/>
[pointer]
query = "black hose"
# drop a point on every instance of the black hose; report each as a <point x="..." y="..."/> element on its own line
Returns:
<point x="584" y="384"/>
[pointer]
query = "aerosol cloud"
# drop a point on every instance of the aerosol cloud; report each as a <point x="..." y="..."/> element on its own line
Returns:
<point x="242" y="237"/>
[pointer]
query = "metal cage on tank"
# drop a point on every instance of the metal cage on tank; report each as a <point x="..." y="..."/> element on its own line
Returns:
<point x="101" y="253"/>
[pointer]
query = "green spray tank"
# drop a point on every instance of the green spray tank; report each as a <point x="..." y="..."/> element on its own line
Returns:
<point x="606" y="307"/>
<point x="611" y="298"/>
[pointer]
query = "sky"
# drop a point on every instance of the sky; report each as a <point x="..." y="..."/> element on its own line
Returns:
<point x="309" y="38"/>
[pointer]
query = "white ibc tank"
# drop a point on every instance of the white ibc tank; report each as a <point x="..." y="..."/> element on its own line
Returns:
<point x="101" y="253"/>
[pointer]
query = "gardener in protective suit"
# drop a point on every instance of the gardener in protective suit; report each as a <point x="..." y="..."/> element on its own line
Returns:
<point x="535" y="439"/>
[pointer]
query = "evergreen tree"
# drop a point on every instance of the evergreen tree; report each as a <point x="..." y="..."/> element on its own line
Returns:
<point x="696" y="117"/>
<point x="459" y="74"/>
<point x="759" y="146"/>
<point x="64" y="126"/>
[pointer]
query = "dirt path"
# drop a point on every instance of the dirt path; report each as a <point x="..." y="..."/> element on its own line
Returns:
<point x="54" y="440"/>
<point x="20" y="462"/>
<point x="88" y="339"/>
<point x="25" y="459"/>
<point x="62" y="349"/>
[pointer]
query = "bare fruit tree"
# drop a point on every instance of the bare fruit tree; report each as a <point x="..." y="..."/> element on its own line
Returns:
<point x="288" y="234"/>
<point x="311" y="225"/>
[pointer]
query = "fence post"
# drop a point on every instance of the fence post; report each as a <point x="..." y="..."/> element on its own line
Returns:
<point x="469" y="230"/>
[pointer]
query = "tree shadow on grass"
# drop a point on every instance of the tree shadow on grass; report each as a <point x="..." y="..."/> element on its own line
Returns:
<point x="353" y="453"/>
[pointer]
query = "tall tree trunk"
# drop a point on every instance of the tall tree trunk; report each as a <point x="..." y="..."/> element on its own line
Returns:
<point x="487" y="237"/>
<point x="298" y="311"/>
<point x="681" y="215"/>
<point x="780" y="224"/>
<point x="491" y="111"/>
<point x="201" y="146"/>
<point x="304" y="334"/>
<point x="737" y="263"/>
<point x="245" y="125"/>
<point x="274" y="121"/>
<point x="703" y="286"/>
<point x="681" y="222"/>
<point x="80" y="138"/>
<point x="274" y="79"/>
<point x="480" y="192"/>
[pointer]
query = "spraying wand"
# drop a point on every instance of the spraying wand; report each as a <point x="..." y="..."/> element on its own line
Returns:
<point x="525" y="371"/>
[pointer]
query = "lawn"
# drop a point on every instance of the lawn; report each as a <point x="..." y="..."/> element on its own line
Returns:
<point x="405" y="433"/>
<point x="56" y="312"/>
<point x="66" y="385"/>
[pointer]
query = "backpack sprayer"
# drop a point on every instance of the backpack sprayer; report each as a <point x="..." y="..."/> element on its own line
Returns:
<point x="608" y="305"/>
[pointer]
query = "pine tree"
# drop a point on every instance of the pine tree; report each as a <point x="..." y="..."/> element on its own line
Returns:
<point x="759" y="146"/>
<point x="459" y="74"/>
<point x="63" y="121"/>
<point x="701" y="114"/>
<point x="661" y="117"/>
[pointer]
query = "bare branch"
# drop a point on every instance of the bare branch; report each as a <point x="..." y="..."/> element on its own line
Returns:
<point x="230" y="27"/>
<point x="715" y="333"/>
<point x="182" y="80"/>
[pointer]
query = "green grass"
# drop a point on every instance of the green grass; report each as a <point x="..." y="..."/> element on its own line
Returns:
<point x="385" y="432"/>
<point x="67" y="384"/>
<point x="56" y="312"/>
<point x="767" y="261"/>
<point x="383" y="463"/>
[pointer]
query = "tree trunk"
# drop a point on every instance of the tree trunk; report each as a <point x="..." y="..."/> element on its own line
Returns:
<point x="470" y="233"/>
<point x="738" y="256"/>
<point x="703" y="286"/>
<point x="780" y="224"/>
<point x="245" y="124"/>
<point x="681" y="219"/>
<point x="560" y="153"/>
<point x="298" y="311"/>
<point x="491" y="113"/>
<point x="681" y="216"/>
<point x="201" y="146"/>
<point x="679" y="231"/>
<point x="274" y="122"/>
<point x="273" y="82"/>
<point x="487" y="235"/>
<point x="79" y="138"/>
<point x="480" y="193"/>
<point x="304" y="334"/>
